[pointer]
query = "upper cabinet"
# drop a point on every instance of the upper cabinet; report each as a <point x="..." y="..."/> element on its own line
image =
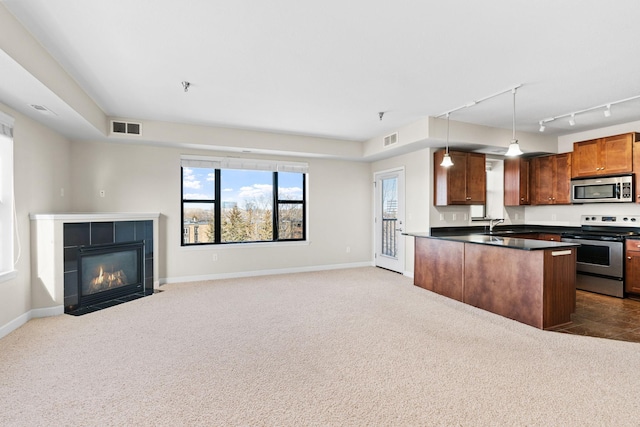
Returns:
<point x="464" y="183"/>
<point x="552" y="179"/>
<point x="517" y="180"/>
<point x="603" y="156"/>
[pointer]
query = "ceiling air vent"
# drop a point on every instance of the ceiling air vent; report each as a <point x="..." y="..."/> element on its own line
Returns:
<point x="126" y="128"/>
<point x="42" y="109"/>
<point x="390" y="140"/>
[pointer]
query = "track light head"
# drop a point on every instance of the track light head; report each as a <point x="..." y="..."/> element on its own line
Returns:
<point x="572" y="120"/>
<point x="542" y="126"/>
<point x="607" y="112"/>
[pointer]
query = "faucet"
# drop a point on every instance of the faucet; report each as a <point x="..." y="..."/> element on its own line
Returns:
<point x="494" y="222"/>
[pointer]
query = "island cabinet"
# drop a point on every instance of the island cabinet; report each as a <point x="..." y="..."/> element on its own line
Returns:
<point x="517" y="181"/>
<point x="603" y="156"/>
<point x="464" y="183"/>
<point x="632" y="266"/>
<point x="551" y="179"/>
<point x="439" y="267"/>
<point x="535" y="286"/>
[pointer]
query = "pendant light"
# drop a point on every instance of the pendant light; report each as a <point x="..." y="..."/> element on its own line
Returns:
<point x="514" y="147"/>
<point x="446" y="159"/>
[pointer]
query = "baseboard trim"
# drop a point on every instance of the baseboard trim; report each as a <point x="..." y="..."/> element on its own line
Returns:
<point x="32" y="314"/>
<point x="254" y="273"/>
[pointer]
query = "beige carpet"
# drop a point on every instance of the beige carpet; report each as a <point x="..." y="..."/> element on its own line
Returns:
<point x="337" y="348"/>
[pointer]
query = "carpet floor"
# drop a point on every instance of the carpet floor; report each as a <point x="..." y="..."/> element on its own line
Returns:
<point x="346" y="347"/>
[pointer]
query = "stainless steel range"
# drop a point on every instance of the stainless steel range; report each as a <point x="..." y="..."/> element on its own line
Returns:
<point x="600" y="256"/>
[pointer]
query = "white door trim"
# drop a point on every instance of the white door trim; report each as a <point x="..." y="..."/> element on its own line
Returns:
<point x="398" y="263"/>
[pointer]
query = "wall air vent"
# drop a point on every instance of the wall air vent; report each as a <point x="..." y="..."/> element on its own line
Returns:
<point x="125" y="128"/>
<point x="390" y="140"/>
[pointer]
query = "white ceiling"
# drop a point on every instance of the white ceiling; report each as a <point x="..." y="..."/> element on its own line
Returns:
<point x="327" y="68"/>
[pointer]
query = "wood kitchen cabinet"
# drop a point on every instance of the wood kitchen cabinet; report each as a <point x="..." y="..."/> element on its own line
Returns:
<point x="549" y="237"/>
<point x="636" y="167"/>
<point x="536" y="286"/>
<point x="603" y="156"/>
<point x="517" y="181"/>
<point x="632" y="266"/>
<point x="464" y="183"/>
<point x="551" y="179"/>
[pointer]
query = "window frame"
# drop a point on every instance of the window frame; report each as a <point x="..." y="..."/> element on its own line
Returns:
<point x="7" y="199"/>
<point x="218" y="165"/>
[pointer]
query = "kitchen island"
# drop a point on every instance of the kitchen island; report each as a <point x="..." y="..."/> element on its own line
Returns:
<point x="531" y="281"/>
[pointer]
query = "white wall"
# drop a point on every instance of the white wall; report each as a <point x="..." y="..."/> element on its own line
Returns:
<point x="41" y="169"/>
<point x="139" y="178"/>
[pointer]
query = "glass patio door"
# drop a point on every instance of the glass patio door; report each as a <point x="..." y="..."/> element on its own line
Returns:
<point x="389" y="220"/>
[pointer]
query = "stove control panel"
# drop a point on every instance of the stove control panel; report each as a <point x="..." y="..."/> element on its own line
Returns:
<point x="613" y="221"/>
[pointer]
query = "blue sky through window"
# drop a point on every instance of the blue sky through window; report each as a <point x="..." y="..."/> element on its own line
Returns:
<point x="239" y="186"/>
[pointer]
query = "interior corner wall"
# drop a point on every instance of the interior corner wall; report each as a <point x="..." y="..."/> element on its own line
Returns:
<point x="141" y="178"/>
<point x="41" y="170"/>
<point x="418" y="194"/>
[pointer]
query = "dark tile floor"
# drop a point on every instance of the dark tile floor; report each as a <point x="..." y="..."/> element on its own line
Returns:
<point x="605" y="317"/>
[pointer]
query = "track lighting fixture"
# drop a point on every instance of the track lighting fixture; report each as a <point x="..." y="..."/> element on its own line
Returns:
<point x="446" y="159"/>
<point x="514" y="147"/>
<point x="572" y="116"/>
<point x="478" y="101"/>
<point x="186" y="85"/>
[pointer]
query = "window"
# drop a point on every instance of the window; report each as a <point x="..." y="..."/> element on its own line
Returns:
<point x="227" y="200"/>
<point x="6" y="198"/>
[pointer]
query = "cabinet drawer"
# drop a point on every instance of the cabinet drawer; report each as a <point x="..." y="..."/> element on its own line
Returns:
<point x="633" y="245"/>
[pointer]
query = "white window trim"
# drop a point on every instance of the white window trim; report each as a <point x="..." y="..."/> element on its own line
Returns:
<point x="7" y="200"/>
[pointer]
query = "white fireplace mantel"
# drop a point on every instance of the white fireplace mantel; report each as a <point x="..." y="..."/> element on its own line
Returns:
<point x="47" y="243"/>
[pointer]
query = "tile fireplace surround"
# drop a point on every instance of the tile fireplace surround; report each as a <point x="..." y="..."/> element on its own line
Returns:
<point x="52" y="233"/>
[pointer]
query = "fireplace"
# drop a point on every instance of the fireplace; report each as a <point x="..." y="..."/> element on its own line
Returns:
<point x="108" y="272"/>
<point x="57" y="240"/>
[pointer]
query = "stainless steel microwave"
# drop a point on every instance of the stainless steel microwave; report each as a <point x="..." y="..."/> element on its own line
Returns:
<point x="604" y="189"/>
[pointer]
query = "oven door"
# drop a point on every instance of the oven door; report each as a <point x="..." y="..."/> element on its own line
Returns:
<point x="601" y="257"/>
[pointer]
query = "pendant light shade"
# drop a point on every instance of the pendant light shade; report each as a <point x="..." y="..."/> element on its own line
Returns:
<point x="446" y="159"/>
<point x="514" y="147"/>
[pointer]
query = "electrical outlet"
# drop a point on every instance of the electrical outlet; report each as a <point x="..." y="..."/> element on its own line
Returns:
<point x="348" y="249"/>
<point x="102" y="193"/>
<point x="441" y="217"/>
<point x="62" y="192"/>
<point x="454" y="217"/>
<point x="214" y="257"/>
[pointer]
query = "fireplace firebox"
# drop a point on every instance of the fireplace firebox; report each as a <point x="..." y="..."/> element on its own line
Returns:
<point x="110" y="271"/>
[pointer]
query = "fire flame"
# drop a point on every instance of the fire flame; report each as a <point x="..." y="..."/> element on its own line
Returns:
<point x="105" y="280"/>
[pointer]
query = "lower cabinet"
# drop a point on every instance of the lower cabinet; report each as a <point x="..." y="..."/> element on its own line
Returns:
<point x="632" y="266"/>
<point x="536" y="287"/>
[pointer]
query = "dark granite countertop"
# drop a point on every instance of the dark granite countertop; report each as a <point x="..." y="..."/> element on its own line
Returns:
<point x="500" y="241"/>
<point x="520" y="228"/>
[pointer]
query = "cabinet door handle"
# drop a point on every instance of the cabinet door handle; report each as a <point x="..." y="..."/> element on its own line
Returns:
<point x="628" y="257"/>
